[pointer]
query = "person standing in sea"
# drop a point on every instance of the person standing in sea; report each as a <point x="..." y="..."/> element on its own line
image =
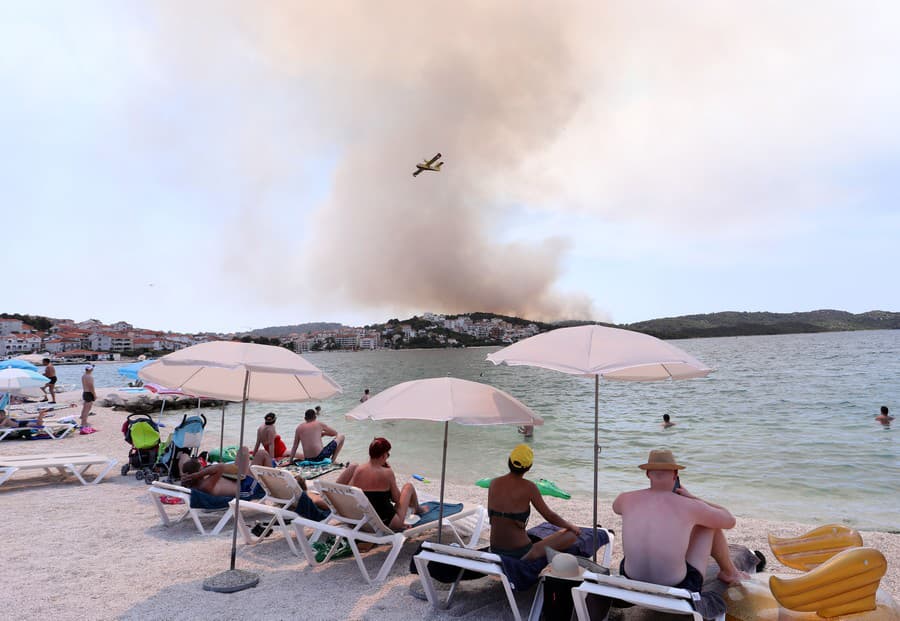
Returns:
<point x="89" y="394"/>
<point x="884" y="418"/>
<point x="365" y="396"/>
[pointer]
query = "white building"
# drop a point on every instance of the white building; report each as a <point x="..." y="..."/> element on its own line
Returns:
<point x="10" y="326"/>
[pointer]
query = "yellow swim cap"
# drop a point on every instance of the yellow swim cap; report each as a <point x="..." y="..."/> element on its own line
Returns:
<point x="522" y="456"/>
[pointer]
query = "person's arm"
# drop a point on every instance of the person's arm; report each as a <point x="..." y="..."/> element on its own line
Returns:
<point x="328" y="431"/>
<point x="551" y="516"/>
<point x="618" y="504"/>
<point x="258" y="442"/>
<point x="395" y="491"/>
<point x="296" y="444"/>
<point x="707" y="513"/>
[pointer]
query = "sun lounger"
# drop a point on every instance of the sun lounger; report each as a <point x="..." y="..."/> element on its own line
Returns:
<point x="480" y="562"/>
<point x="643" y="594"/>
<point x="353" y="518"/>
<point x="160" y="490"/>
<point x="282" y="491"/>
<point x="57" y="430"/>
<point x="74" y="463"/>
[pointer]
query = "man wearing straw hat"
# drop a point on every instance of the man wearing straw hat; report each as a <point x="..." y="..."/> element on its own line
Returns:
<point x="668" y="534"/>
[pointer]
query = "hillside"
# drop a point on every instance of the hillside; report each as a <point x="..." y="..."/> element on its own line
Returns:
<point x="300" y="328"/>
<point x="744" y="324"/>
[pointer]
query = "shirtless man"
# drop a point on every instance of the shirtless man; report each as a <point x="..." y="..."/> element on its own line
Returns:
<point x="213" y="481"/>
<point x="50" y="374"/>
<point x="310" y="434"/>
<point x="667" y="421"/>
<point x="884" y="418"/>
<point x="268" y="438"/>
<point x="668" y="537"/>
<point x="89" y="395"/>
<point x="377" y="481"/>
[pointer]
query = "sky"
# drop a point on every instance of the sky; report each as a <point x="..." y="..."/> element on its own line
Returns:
<point x="223" y="166"/>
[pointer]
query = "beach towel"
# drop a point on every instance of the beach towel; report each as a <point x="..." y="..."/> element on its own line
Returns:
<point x="433" y="511"/>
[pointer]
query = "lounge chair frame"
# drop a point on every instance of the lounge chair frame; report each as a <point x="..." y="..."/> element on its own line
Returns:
<point x="643" y="594"/>
<point x="486" y="563"/>
<point x="73" y="463"/>
<point x="354" y="518"/>
<point x="160" y="489"/>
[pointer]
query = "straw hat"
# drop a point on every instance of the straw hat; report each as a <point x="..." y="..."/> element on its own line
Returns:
<point x="661" y="459"/>
<point x="564" y="566"/>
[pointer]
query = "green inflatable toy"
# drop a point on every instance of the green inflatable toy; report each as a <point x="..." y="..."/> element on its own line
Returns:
<point x="547" y="488"/>
<point x="229" y="453"/>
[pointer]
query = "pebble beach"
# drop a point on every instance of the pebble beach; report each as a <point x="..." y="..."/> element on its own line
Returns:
<point x="100" y="551"/>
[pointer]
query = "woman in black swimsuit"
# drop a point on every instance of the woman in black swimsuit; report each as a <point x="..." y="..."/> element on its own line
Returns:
<point x="510" y="498"/>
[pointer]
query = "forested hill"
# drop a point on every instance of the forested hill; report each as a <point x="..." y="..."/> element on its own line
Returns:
<point x="300" y="328"/>
<point x="745" y="324"/>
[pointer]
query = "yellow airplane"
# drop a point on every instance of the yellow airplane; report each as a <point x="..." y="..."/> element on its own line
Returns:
<point x="429" y="165"/>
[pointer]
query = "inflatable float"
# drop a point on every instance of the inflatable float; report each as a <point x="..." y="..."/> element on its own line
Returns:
<point x="547" y="488"/>
<point x="840" y="582"/>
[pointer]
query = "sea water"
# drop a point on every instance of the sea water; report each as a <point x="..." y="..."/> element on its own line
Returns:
<point x="783" y="429"/>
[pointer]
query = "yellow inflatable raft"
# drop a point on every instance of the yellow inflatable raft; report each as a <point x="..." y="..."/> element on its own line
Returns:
<point x="815" y="547"/>
<point x="753" y="601"/>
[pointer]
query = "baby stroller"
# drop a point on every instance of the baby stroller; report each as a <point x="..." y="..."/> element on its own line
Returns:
<point x="143" y="436"/>
<point x="185" y="438"/>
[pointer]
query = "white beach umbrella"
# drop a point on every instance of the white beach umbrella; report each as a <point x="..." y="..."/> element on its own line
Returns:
<point x="598" y="351"/>
<point x="19" y="381"/>
<point x="446" y="400"/>
<point x="235" y="371"/>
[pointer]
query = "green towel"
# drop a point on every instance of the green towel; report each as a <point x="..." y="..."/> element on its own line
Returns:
<point x="322" y="548"/>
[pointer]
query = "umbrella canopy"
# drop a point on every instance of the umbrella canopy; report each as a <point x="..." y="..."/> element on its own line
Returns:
<point x="218" y="370"/>
<point x="16" y="380"/>
<point x="611" y="353"/>
<point x="15" y="363"/>
<point x="446" y="399"/>
<point x="235" y="371"/>
<point x="599" y="351"/>
<point x="131" y="370"/>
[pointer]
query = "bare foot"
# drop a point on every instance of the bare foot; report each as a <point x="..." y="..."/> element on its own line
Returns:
<point x="735" y="577"/>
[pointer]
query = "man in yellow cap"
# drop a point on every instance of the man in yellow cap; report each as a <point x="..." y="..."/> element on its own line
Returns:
<point x="668" y="534"/>
<point x="510" y="499"/>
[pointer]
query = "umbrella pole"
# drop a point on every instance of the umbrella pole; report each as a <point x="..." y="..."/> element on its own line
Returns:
<point x="596" y="456"/>
<point x="240" y="479"/>
<point x="443" y="476"/>
<point x="222" y="435"/>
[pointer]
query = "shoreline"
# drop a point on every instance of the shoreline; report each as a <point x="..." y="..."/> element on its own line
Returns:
<point x="111" y="557"/>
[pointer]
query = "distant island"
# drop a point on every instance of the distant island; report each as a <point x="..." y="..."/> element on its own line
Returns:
<point x="66" y="340"/>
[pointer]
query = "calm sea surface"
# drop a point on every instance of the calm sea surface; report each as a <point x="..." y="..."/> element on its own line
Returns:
<point x="782" y="430"/>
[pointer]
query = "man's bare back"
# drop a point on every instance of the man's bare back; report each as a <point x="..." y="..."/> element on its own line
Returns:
<point x="309" y="436"/>
<point x="658" y="530"/>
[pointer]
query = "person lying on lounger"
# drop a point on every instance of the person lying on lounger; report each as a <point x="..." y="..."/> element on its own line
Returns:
<point x="510" y="498"/>
<point x="377" y="481"/>
<point x="213" y="481"/>
<point x="8" y="421"/>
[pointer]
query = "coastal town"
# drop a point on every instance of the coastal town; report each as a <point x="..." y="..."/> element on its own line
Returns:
<point x="66" y="340"/>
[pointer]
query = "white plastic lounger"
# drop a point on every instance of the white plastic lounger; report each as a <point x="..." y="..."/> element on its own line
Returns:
<point x="486" y="563"/>
<point x="643" y="594"/>
<point x="160" y="489"/>
<point x="354" y="518"/>
<point x="74" y="463"/>
<point x="55" y="429"/>
<point x="282" y="490"/>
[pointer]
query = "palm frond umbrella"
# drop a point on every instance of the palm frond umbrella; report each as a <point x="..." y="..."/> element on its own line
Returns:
<point x="446" y="400"/>
<point x="598" y="351"/>
<point x="234" y="371"/>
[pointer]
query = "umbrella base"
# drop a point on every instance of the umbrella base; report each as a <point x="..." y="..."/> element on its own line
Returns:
<point x="231" y="581"/>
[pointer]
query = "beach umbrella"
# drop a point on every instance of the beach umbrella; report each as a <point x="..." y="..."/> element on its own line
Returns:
<point x="130" y="371"/>
<point x="597" y="351"/>
<point x="17" y="381"/>
<point x="15" y="363"/>
<point x="32" y="358"/>
<point x="235" y="371"/>
<point x="446" y="400"/>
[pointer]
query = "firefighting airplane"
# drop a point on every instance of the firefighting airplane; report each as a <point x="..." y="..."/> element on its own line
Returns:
<point x="429" y="165"/>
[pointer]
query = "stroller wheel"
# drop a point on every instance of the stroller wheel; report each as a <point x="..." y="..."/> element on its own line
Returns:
<point x="125" y="469"/>
<point x="139" y="475"/>
<point x="150" y="478"/>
